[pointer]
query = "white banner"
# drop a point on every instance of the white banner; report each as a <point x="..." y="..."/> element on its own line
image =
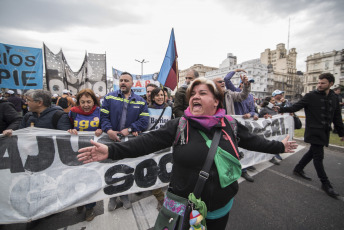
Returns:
<point x="40" y="174"/>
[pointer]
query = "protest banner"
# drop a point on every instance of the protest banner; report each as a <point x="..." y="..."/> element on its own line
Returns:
<point x="41" y="174"/>
<point x="140" y="81"/>
<point x="20" y="67"/>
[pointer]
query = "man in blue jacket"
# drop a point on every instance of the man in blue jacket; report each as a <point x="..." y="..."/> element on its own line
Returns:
<point x="123" y="112"/>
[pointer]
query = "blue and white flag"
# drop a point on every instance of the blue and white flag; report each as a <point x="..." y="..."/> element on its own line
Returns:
<point x="20" y="67"/>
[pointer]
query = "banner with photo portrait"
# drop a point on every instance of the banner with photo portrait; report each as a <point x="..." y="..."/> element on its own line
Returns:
<point x="140" y="81"/>
<point x="20" y="67"/>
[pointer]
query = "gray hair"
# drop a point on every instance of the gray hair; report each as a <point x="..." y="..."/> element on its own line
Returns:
<point x="40" y="95"/>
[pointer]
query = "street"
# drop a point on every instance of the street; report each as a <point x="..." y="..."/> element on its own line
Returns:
<point x="276" y="200"/>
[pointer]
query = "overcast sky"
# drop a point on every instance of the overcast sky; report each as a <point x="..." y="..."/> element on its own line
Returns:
<point x="205" y="30"/>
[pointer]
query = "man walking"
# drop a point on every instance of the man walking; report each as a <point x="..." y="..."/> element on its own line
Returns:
<point x="123" y="113"/>
<point x="321" y="109"/>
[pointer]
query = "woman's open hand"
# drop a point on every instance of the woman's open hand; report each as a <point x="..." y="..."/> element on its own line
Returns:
<point x="97" y="152"/>
<point x="289" y="146"/>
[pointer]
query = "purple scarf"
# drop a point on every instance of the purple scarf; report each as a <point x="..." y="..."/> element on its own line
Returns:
<point x="206" y="121"/>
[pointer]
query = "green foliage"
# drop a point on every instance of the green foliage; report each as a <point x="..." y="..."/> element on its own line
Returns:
<point x="334" y="138"/>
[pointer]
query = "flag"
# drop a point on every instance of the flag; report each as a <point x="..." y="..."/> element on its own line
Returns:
<point x="168" y="75"/>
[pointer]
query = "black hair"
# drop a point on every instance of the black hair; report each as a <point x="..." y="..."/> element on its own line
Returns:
<point x="328" y="76"/>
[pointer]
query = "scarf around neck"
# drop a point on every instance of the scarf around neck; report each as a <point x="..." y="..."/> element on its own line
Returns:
<point x="207" y="122"/>
<point x="78" y="109"/>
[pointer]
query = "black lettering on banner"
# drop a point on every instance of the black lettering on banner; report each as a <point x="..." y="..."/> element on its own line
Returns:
<point x="25" y="79"/>
<point x="163" y="175"/>
<point x="30" y="61"/>
<point x="12" y="60"/>
<point x="13" y="161"/>
<point x="40" y="194"/>
<point x="64" y="146"/>
<point x="266" y="123"/>
<point x="282" y="126"/>
<point x="86" y="183"/>
<point x="275" y="127"/>
<point x="249" y="126"/>
<point x="4" y="58"/>
<point x="128" y="179"/>
<point x="45" y="157"/>
<point x="4" y="74"/>
<point x="145" y="181"/>
<point x="258" y="129"/>
<point x="15" y="77"/>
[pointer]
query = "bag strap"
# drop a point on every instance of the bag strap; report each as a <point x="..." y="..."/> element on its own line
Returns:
<point x="157" y="121"/>
<point x="56" y="117"/>
<point x="204" y="173"/>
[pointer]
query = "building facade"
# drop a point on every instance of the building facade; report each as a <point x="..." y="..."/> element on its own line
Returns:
<point x="262" y="75"/>
<point x="284" y="68"/>
<point x="201" y="69"/>
<point x="328" y="62"/>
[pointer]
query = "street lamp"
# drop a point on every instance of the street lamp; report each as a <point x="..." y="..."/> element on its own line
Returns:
<point x="142" y="62"/>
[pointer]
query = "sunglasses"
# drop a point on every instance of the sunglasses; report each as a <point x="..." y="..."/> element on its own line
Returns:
<point x="189" y="78"/>
<point x="220" y="81"/>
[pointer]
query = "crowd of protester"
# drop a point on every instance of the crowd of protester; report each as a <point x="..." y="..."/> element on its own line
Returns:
<point x="122" y="113"/>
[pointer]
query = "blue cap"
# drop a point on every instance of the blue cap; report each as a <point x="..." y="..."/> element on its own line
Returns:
<point x="277" y="92"/>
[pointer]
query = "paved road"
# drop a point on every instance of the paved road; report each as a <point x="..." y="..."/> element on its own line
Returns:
<point x="276" y="200"/>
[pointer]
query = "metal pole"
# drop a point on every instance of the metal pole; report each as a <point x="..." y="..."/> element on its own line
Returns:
<point x="142" y="62"/>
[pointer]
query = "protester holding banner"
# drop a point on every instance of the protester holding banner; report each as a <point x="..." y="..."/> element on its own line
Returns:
<point x="85" y="116"/>
<point x="267" y="111"/>
<point x="123" y="113"/>
<point x="9" y="118"/>
<point x="42" y="114"/>
<point x="159" y="114"/>
<point x="203" y="118"/>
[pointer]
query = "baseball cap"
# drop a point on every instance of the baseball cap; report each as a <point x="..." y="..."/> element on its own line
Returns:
<point x="55" y="95"/>
<point x="65" y="91"/>
<point x="277" y="92"/>
<point x="10" y="92"/>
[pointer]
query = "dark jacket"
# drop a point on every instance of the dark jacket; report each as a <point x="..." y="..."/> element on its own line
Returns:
<point x="9" y="117"/>
<point x="45" y="120"/>
<point x="321" y="111"/>
<point x="189" y="158"/>
<point x="112" y="107"/>
<point x="17" y="102"/>
<point x="180" y="102"/>
<point x="267" y="110"/>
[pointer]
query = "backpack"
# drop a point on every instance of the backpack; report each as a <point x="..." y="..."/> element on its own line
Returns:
<point x="63" y="102"/>
<point x="182" y="124"/>
<point x="56" y="117"/>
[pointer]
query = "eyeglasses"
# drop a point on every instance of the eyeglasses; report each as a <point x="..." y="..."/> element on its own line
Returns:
<point x="28" y="100"/>
<point x="220" y="81"/>
<point x="190" y="78"/>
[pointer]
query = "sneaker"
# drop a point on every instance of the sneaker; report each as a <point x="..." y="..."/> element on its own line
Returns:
<point x="80" y="209"/>
<point x="112" y="204"/>
<point x="126" y="202"/>
<point x="251" y="168"/>
<point x="278" y="157"/>
<point x="247" y="176"/>
<point x="274" y="161"/>
<point x="89" y="216"/>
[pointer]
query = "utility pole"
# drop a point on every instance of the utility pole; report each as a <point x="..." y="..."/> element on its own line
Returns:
<point x="142" y="62"/>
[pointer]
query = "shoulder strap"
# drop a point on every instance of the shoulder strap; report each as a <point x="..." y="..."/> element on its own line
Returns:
<point x="204" y="173"/>
<point x="180" y="131"/>
<point x="157" y="121"/>
<point x="56" y="117"/>
<point x="233" y="124"/>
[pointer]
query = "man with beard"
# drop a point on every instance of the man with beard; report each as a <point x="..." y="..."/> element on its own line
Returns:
<point x="321" y="109"/>
<point x="123" y="113"/>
